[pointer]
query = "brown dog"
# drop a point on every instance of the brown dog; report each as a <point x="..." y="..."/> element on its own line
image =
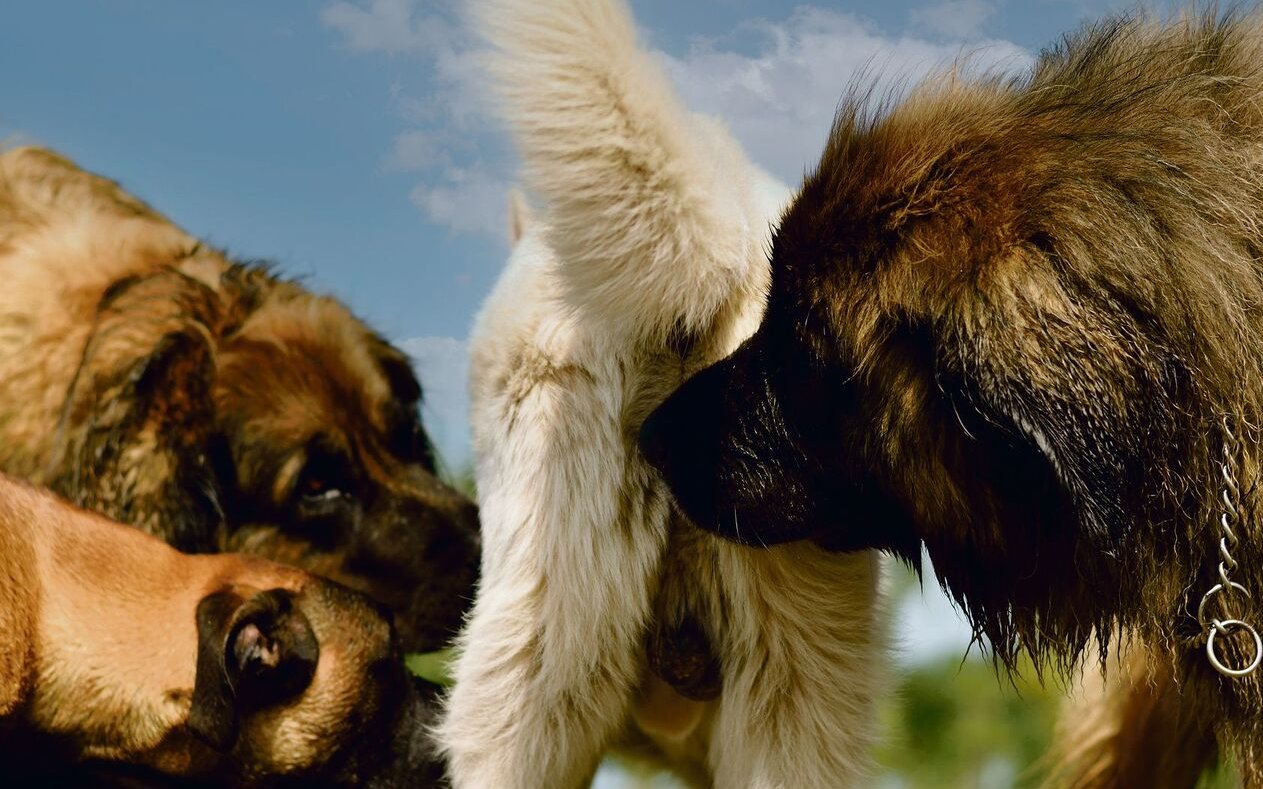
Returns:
<point x="1018" y="323"/>
<point x="115" y="647"/>
<point x="145" y="376"/>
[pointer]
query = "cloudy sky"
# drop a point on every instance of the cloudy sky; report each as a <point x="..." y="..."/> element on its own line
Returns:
<point x="350" y="141"/>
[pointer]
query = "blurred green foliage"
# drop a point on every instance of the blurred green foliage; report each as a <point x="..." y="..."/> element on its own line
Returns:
<point x="462" y="479"/>
<point x="959" y="724"/>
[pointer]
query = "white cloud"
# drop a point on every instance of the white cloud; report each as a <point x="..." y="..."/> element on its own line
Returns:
<point x="960" y="20"/>
<point x="442" y="365"/>
<point x="457" y="188"/>
<point x="418" y="151"/>
<point x="780" y="101"/>
<point x="466" y="200"/>
<point x="390" y="26"/>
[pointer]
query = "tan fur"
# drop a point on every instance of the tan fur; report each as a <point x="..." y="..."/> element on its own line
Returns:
<point x="99" y="642"/>
<point x="1130" y="723"/>
<point x="146" y="376"/>
<point x="46" y="310"/>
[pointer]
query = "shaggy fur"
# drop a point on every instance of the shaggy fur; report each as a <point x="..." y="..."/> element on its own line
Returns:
<point x="1006" y="321"/>
<point x="146" y="376"/>
<point x="597" y="600"/>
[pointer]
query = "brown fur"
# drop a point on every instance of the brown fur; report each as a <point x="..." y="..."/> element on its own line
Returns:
<point x="148" y="377"/>
<point x="102" y="634"/>
<point x="1006" y="322"/>
<point x="1131" y="726"/>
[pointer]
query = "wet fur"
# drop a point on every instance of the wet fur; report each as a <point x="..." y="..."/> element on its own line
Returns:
<point x="146" y="376"/>
<point x="1007" y="318"/>
<point x="601" y="611"/>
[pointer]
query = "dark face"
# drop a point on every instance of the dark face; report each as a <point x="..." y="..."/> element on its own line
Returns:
<point x="750" y="445"/>
<point x="941" y="376"/>
<point x="328" y="469"/>
<point x="745" y="445"/>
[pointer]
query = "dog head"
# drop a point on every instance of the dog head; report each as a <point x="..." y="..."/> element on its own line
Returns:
<point x="306" y="686"/>
<point x="219" y="407"/>
<point x="1003" y="323"/>
<point x="329" y="468"/>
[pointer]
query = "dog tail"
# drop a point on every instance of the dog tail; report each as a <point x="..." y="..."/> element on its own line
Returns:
<point x="656" y="215"/>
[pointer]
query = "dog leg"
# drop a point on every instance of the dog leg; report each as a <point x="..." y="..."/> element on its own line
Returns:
<point x="553" y="651"/>
<point x="1134" y="726"/>
<point x="803" y="667"/>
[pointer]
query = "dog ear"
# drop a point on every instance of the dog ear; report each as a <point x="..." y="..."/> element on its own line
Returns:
<point x="250" y="654"/>
<point x="520" y="216"/>
<point x="137" y="424"/>
<point x="1060" y="372"/>
<point x="408" y="440"/>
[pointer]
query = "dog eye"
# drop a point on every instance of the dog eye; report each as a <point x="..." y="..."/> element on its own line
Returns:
<point x="316" y="489"/>
<point x="326" y="476"/>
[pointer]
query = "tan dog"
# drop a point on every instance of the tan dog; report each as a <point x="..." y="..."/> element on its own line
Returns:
<point x="116" y="647"/>
<point x="148" y="377"/>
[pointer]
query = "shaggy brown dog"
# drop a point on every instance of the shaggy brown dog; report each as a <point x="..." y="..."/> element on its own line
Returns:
<point x="1008" y="321"/>
<point x="115" y="647"/>
<point x="145" y="376"/>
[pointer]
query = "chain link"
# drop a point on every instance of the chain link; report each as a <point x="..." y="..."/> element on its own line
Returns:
<point x="1230" y="519"/>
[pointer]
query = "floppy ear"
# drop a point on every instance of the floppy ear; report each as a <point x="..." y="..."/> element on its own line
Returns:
<point x="136" y="429"/>
<point x="250" y="654"/>
<point x="1066" y="373"/>
<point x="408" y="440"/>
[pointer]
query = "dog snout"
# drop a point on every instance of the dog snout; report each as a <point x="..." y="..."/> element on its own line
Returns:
<point x="423" y="537"/>
<point x="253" y="652"/>
<point x="681" y="439"/>
<point x="724" y="448"/>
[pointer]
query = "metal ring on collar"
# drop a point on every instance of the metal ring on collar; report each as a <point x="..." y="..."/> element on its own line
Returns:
<point x="1229" y="625"/>
<point x="1214" y="590"/>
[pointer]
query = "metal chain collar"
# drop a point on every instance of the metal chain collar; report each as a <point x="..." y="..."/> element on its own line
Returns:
<point x="1230" y="519"/>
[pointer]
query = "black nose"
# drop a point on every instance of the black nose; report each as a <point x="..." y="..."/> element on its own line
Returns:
<point x="670" y="438"/>
<point x="681" y="439"/>
<point x="653" y="439"/>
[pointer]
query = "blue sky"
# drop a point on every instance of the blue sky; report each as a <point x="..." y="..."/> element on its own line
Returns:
<point x="350" y="141"/>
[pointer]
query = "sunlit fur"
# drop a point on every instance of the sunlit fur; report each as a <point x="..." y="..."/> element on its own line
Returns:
<point x="647" y="261"/>
<point x="101" y="631"/>
<point x="147" y="376"/>
<point x="1130" y="725"/>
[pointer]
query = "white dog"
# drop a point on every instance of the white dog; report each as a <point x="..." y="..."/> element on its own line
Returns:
<point x="647" y="262"/>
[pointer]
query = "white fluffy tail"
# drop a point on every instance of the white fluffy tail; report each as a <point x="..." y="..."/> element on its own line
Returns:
<point x="634" y="188"/>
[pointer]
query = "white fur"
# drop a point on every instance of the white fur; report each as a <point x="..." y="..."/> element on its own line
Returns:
<point x="653" y="226"/>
